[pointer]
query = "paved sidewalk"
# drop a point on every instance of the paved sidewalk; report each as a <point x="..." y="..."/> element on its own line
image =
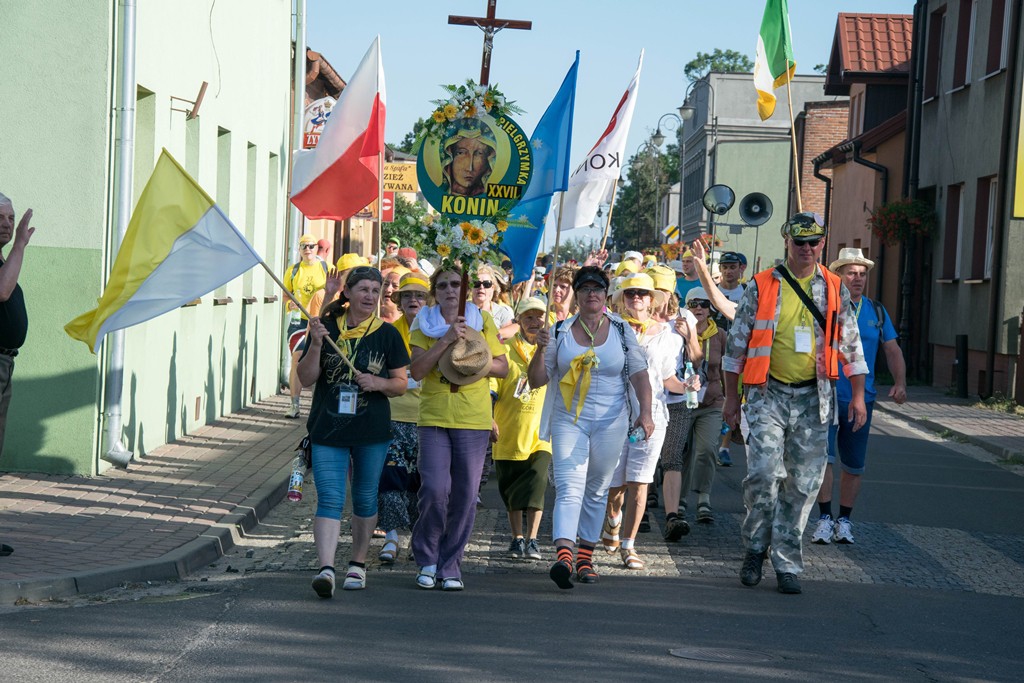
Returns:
<point x="180" y="508"/>
<point x="999" y="433"/>
<point x="189" y="502"/>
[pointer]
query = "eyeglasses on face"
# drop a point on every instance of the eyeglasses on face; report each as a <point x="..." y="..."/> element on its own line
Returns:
<point x="485" y="284"/>
<point x="443" y="285"/>
<point x="584" y="291"/>
<point x="812" y="242"/>
<point x="307" y="246"/>
<point x="635" y="293"/>
<point x="698" y="303"/>
<point x="414" y="295"/>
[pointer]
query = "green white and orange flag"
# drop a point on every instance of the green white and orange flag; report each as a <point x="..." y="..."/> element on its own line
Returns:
<point x="774" y="64"/>
<point x="179" y="246"/>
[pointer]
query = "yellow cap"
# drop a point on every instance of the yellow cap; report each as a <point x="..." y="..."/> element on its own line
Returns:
<point x="307" y="239"/>
<point x="349" y="261"/>
<point x="663" y="276"/>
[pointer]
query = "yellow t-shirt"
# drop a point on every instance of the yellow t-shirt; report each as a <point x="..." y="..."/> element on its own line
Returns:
<point x="787" y="365"/>
<point x="406" y="408"/>
<point x="518" y="421"/>
<point x="467" y="408"/>
<point x="309" y="278"/>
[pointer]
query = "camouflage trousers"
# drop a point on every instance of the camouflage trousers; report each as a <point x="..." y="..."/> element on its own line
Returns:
<point x="787" y="451"/>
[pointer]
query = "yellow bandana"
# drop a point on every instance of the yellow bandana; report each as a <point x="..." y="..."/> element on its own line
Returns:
<point x="578" y="374"/>
<point x="345" y="335"/>
<point x="711" y="331"/>
<point x="524" y="348"/>
<point x="642" y="324"/>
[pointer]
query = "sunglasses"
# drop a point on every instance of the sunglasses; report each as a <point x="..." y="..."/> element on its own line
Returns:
<point x="698" y="303"/>
<point x="307" y="246"/>
<point x="485" y="284"/>
<point x="635" y="293"/>
<point x="583" y="291"/>
<point x="812" y="242"/>
<point x="441" y="286"/>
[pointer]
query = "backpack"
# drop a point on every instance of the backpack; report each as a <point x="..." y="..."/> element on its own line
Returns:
<point x="295" y="268"/>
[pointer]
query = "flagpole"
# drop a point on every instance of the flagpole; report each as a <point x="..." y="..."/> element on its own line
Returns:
<point x="558" y="230"/>
<point x="304" y="312"/>
<point x="611" y="207"/>
<point x="792" y="136"/>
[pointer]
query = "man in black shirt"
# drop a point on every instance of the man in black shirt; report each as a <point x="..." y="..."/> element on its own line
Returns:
<point x="13" y="316"/>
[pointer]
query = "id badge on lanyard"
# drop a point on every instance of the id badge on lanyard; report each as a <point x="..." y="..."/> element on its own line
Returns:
<point x="802" y="341"/>
<point x="348" y="398"/>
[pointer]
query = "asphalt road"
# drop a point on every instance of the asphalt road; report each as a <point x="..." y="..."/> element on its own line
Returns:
<point x="933" y="591"/>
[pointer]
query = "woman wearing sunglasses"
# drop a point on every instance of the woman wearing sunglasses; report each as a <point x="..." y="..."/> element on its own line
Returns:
<point x="487" y="297"/>
<point x="453" y="354"/>
<point x="350" y="418"/>
<point x="637" y="298"/>
<point x="705" y="421"/>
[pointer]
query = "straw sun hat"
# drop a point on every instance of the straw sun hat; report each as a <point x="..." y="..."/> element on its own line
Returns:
<point x="638" y="281"/>
<point x="466" y="361"/>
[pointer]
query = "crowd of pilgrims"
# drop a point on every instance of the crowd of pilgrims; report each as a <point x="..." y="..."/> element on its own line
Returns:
<point x="575" y="378"/>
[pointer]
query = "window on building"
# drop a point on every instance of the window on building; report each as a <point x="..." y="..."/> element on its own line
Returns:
<point x="998" y="34"/>
<point x="963" y="59"/>
<point x="952" y="235"/>
<point x="984" y="226"/>
<point x="933" y="65"/>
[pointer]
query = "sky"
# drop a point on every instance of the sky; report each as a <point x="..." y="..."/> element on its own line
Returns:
<point x="421" y="51"/>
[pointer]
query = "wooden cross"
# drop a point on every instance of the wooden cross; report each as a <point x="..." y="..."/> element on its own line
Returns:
<point x="489" y="25"/>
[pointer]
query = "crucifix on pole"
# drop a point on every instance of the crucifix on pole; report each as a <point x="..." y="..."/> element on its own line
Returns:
<point x="489" y="25"/>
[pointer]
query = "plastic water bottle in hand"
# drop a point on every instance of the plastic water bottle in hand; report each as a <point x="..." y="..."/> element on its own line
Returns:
<point x="691" y="394"/>
<point x="295" y="483"/>
<point x="637" y="434"/>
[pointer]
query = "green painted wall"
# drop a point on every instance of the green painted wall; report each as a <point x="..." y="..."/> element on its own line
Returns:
<point x="754" y="166"/>
<point x="58" y="146"/>
<point x="55" y="66"/>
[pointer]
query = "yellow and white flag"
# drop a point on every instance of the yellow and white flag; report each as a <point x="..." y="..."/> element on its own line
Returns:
<point x="179" y="246"/>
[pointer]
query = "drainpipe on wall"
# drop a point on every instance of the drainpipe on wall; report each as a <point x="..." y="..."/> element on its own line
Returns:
<point x="995" y="284"/>
<point x="884" y="171"/>
<point x="295" y="219"/>
<point x="817" y="162"/>
<point x="114" y="381"/>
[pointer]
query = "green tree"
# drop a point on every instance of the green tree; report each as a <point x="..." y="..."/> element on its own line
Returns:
<point x="821" y="68"/>
<point x="408" y="144"/>
<point x="406" y="226"/>
<point x="719" y="60"/>
<point x="634" y="219"/>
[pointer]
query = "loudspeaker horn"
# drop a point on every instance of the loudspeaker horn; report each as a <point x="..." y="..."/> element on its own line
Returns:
<point x="755" y="209"/>
<point x="718" y="199"/>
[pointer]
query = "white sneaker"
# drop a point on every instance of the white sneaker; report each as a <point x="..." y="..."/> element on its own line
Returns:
<point x="824" y="531"/>
<point x="293" y="412"/>
<point x="323" y="584"/>
<point x="844" y="530"/>
<point x="355" y="579"/>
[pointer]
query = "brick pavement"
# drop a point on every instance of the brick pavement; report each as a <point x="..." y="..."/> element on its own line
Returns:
<point x="170" y="513"/>
<point x="191" y="502"/>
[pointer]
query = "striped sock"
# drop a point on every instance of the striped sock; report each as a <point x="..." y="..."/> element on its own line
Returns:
<point x="584" y="556"/>
<point x="564" y="555"/>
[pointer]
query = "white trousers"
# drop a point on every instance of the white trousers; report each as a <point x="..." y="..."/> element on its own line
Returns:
<point x="584" y="456"/>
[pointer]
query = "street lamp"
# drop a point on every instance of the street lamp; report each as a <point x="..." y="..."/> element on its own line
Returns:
<point x="686" y="112"/>
<point x="658" y="138"/>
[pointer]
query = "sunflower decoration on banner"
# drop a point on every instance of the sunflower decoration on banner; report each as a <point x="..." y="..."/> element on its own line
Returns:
<point x="473" y="164"/>
<point x="463" y="242"/>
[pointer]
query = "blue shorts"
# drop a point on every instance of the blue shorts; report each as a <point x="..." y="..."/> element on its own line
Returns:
<point x="852" y="445"/>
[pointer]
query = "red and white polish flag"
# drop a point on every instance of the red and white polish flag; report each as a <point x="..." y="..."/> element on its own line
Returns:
<point x="340" y="177"/>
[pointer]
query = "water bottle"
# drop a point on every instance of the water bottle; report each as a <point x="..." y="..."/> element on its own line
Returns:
<point x="691" y="395"/>
<point x="725" y="429"/>
<point x="295" y="483"/>
<point x="637" y="434"/>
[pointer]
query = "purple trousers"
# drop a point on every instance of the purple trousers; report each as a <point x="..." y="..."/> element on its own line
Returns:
<point x="450" y="464"/>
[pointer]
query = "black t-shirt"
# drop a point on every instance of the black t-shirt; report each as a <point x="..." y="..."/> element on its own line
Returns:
<point x="377" y="353"/>
<point x="13" y="320"/>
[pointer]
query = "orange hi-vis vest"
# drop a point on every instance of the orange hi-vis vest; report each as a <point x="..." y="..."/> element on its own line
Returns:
<point x="759" y="346"/>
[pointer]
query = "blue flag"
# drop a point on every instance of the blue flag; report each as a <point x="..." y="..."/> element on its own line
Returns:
<point x="550" y="145"/>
